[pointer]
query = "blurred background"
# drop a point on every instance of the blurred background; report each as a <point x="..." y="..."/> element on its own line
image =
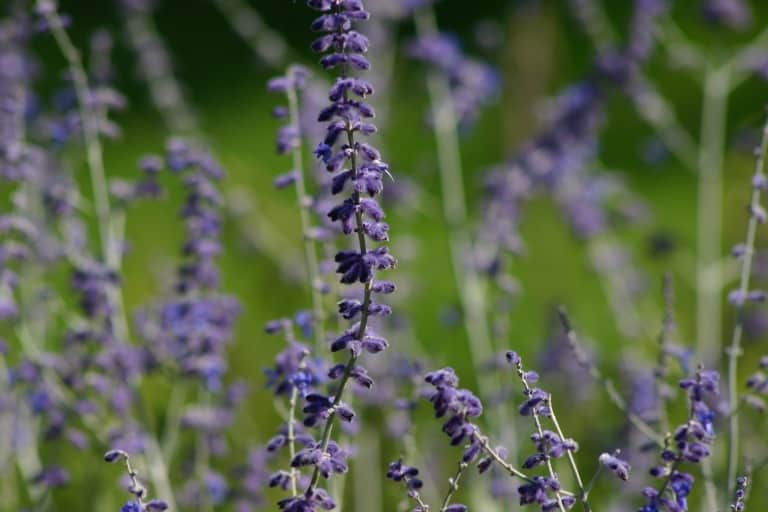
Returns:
<point x="538" y="49"/>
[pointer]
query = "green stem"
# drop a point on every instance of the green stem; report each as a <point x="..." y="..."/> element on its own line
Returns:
<point x="571" y="459"/>
<point x="469" y="285"/>
<point x="292" y="437"/>
<point x="593" y="480"/>
<point x="605" y="382"/>
<point x="89" y="120"/>
<point x="303" y="203"/>
<point x="509" y="468"/>
<point x="709" y="217"/>
<point x="453" y="486"/>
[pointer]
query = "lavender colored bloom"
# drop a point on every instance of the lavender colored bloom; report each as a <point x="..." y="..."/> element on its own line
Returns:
<point x="537" y="491"/>
<point x="733" y="14"/>
<point x="131" y="506"/>
<point x="294" y="81"/>
<point x="691" y="444"/>
<point x="357" y="168"/>
<point x="292" y="370"/>
<point x="135" y="487"/>
<point x="51" y="477"/>
<point x="548" y="446"/>
<point x="473" y="83"/>
<point x="399" y="472"/>
<point x="318" y="499"/>
<point x="617" y="466"/>
<point x="740" y="493"/>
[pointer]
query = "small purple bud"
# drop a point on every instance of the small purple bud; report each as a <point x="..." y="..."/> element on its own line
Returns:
<point x="113" y="456"/>
<point x="513" y="358"/>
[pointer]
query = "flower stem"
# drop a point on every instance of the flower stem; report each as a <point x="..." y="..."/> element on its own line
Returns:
<point x="540" y="430"/>
<point x="292" y="436"/>
<point x="710" y="212"/>
<point x="509" y="468"/>
<point x="89" y="121"/>
<point x="571" y="459"/>
<point x="454" y="207"/>
<point x="734" y="350"/>
<point x="303" y="203"/>
<point x="453" y="485"/>
<point x="605" y="382"/>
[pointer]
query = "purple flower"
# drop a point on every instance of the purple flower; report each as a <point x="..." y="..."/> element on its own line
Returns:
<point x="538" y="491"/>
<point x="331" y="460"/>
<point x="51" y="477"/>
<point x="131" y="506"/>
<point x="473" y="83"/>
<point x="617" y="466"/>
<point x="317" y="499"/>
<point x="691" y="444"/>
<point x="733" y="14"/>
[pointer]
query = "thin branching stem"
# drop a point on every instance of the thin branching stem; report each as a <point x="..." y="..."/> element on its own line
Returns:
<point x="540" y="430"/>
<point x="453" y="485"/>
<point x="607" y="384"/>
<point x="593" y="480"/>
<point x="134" y="476"/>
<point x="571" y="459"/>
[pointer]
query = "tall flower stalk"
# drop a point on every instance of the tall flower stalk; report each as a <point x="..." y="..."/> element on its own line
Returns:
<point x="291" y="140"/>
<point x="356" y="166"/>
<point x="739" y="298"/>
<point x="468" y="283"/>
<point x="90" y="127"/>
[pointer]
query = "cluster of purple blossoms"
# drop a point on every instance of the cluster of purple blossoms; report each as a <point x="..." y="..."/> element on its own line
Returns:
<point x="92" y="377"/>
<point x="288" y="136"/>
<point x="740" y="494"/>
<point x="188" y="333"/>
<point x="544" y="490"/>
<point x="690" y="443"/>
<point x="461" y="409"/>
<point x="622" y="65"/>
<point x="97" y="376"/>
<point x="615" y="465"/>
<point x="757" y="383"/>
<point x="192" y="329"/>
<point x="733" y="14"/>
<point x="409" y="476"/>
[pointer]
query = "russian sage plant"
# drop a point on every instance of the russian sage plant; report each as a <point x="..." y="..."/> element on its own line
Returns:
<point x="148" y="367"/>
